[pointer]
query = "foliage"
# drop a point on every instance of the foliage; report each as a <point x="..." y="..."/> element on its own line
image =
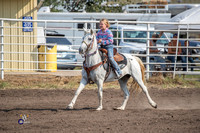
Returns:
<point x="81" y="5"/>
<point x="73" y="5"/>
<point x="95" y="6"/>
<point x="53" y="4"/>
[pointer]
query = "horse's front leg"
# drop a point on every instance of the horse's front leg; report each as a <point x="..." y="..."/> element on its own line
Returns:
<point x="78" y="91"/>
<point x="100" y="94"/>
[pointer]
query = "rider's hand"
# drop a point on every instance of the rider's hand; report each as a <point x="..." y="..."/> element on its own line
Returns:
<point x="99" y="41"/>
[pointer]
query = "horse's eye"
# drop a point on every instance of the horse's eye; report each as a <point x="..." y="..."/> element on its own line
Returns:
<point x="89" y="39"/>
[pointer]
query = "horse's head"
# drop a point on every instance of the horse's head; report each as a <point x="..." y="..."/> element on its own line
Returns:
<point x="88" y="43"/>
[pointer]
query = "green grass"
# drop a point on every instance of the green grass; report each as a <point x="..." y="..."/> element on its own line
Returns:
<point x="56" y="82"/>
<point x="3" y="85"/>
<point x="182" y="82"/>
<point x="193" y="77"/>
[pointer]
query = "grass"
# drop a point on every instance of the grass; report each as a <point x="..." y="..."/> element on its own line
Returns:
<point x="181" y="82"/>
<point x="193" y="77"/>
<point x="57" y="82"/>
<point x="3" y="85"/>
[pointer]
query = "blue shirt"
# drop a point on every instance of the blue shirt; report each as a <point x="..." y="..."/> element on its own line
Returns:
<point x="106" y="37"/>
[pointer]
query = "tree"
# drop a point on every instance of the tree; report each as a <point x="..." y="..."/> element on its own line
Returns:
<point x="74" y="5"/>
<point x="81" y="5"/>
<point x="99" y="6"/>
<point x="94" y="6"/>
<point x="53" y="4"/>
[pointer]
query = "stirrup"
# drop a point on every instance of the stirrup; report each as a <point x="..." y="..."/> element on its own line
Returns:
<point x="118" y="75"/>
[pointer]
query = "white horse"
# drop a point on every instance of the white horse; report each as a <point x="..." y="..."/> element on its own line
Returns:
<point x="134" y="68"/>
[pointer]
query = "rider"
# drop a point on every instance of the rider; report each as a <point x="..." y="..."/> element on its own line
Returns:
<point x="105" y="38"/>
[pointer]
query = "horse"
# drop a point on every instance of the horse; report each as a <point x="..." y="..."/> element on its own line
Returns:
<point x="134" y="68"/>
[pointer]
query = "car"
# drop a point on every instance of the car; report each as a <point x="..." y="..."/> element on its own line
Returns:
<point x="195" y="49"/>
<point x="193" y="44"/>
<point x="133" y="38"/>
<point x="66" y="55"/>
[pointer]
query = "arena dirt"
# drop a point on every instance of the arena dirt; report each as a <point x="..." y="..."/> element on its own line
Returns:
<point x="178" y="111"/>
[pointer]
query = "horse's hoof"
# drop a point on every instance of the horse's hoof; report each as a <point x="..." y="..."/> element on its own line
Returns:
<point x="69" y="107"/>
<point x="119" y="108"/>
<point x="99" y="108"/>
<point x="154" y="105"/>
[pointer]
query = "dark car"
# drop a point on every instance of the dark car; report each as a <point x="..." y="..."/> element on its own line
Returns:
<point x="194" y="44"/>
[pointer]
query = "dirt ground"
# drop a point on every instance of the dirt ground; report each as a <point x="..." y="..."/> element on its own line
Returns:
<point x="45" y="109"/>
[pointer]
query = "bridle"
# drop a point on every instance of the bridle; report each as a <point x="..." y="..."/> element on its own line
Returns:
<point x="89" y="47"/>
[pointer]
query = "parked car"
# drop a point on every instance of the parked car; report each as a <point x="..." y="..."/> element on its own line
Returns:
<point x="193" y="44"/>
<point x="133" y="38"/>
<point x="66" y="56"/>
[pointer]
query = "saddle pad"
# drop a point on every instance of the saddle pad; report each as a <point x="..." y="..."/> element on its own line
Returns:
<point x="122" y="63"/>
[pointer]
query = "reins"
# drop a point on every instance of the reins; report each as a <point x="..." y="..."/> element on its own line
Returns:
<point x="88" y="69"/>
<point x="89" y="47"/>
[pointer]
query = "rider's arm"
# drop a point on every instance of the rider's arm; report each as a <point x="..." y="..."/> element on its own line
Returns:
<point x="97" y="37"/>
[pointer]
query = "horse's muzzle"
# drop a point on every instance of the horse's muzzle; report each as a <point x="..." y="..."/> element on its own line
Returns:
<point x="80" y="51"/>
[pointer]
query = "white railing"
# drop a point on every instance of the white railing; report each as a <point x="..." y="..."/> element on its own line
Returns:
<point x="147" y="8"/>
<point x="15" y="56"/>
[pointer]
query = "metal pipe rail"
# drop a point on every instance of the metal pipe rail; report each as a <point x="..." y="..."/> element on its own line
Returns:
<point x="14" y="44"/>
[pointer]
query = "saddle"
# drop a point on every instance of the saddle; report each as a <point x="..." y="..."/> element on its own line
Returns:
<point x="117" y="57"/>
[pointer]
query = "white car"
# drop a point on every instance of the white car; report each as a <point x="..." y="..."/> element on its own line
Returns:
<point x="133" y="38"/>
<point x="66" y="55"/>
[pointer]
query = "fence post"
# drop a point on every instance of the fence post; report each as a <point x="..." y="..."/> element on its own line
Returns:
<point x="187" y="50"/>
<point x="45" y="46"/>
<point x="2" y="50"/>
<point x="117" y="37"/>
<point x="174" y="74"/>
<point x="147" y="58"/>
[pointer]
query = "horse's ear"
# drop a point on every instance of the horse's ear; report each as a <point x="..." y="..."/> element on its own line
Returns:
<point x="85" y="30"/>
<point x="91" y="31"/>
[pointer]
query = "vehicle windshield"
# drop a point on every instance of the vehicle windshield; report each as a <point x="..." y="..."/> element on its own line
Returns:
<point x="66" y="55"/>
<point x="140" y="37"/>
<point x="58" y="41"/>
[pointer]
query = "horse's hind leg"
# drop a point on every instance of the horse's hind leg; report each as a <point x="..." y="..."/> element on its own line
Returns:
<point x="137" y="75"/>
<point x="144" y="88"/>
<point x="78" y="91"/>
<point x="123" y="85"/>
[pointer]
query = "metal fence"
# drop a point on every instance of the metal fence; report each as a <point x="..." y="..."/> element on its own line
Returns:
<point x="21" y="42"/>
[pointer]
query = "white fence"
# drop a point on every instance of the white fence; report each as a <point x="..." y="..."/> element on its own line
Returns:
<point x="16" y="57"/>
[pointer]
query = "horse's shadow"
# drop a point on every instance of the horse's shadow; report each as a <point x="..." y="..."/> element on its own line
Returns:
<point x="80" y="109"/>
<point x="48" y="109"/>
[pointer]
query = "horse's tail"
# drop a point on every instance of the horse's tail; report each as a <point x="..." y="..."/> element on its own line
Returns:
<point x="142" y="68"/>
<point x="135" y="85"/>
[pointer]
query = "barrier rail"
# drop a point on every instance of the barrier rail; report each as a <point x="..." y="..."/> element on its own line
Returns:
<point x="147" y="8"/>
<point x="19" y="49"/>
